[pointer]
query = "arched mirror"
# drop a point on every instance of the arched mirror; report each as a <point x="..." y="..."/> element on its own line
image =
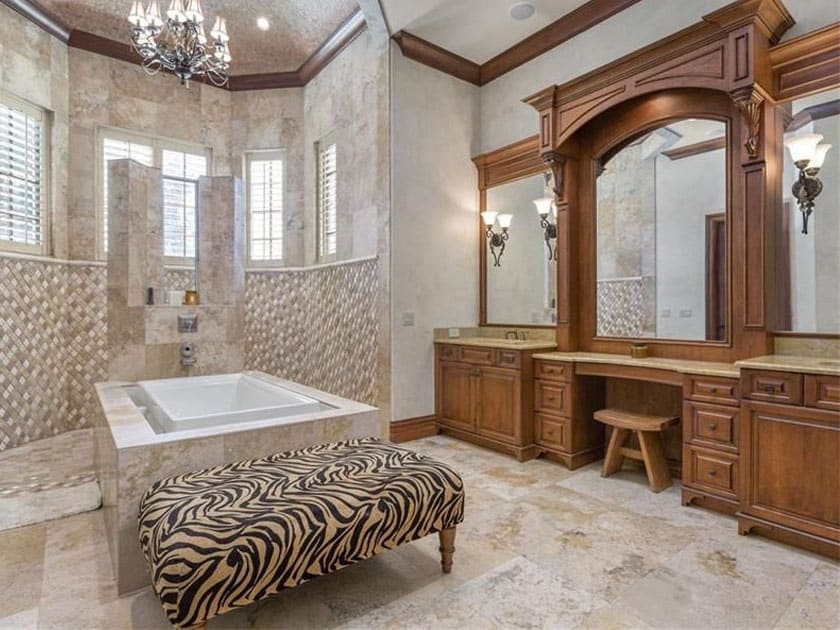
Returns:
<point x="661" y="234"/>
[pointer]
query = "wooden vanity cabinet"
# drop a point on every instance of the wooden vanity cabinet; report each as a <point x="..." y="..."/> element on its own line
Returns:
<point x="791" y="460"/>
<point x="564" y="404"/>
<point x="711" y="442"/>
<point x="485" y="396"/>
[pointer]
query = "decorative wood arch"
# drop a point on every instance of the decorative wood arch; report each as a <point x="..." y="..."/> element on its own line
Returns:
<point x="722" y="63"/>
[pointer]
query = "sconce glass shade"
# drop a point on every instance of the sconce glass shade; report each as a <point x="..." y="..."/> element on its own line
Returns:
<point x="505" y="220"/>
<point x="803" y="146"/>
<point x="543" y="206"/>
<point x="489" y="217"/>
<point x="819" y="156"/>
<point x="137" y="16"/>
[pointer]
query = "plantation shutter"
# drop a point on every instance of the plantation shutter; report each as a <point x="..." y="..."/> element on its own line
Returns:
<point x="265" y="206"/>
<point x="327" y="201"/>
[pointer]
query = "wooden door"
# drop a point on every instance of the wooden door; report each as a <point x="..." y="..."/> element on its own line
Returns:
<point x="716" y="277"/>
<point x="791" y="457"/>
<point x="498" y="403"/>
<point x="457" y="395"/>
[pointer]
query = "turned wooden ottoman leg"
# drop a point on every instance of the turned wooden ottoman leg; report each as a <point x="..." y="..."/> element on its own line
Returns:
<point x="447" y="548"/>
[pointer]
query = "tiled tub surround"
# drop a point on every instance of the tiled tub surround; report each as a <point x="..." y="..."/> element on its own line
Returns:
<point x="316" y="326"/>
<point x="130" y="456"/>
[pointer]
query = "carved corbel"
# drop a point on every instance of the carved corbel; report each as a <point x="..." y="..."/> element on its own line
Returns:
<point x="749" y="102"/>
<point x="555" y="162"/>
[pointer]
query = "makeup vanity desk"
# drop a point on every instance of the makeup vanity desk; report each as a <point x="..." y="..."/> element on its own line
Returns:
<point x="760" y="437"/>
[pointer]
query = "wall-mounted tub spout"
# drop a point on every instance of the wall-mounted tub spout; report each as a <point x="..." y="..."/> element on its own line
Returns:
<point x="188" y="354"/>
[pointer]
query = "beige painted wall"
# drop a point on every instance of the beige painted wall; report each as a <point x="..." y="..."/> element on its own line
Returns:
<point x="435" y="266"/>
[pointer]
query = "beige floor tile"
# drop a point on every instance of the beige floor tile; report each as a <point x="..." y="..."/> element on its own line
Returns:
<point x="21" y="569"/>
<point x="817" y="605"/>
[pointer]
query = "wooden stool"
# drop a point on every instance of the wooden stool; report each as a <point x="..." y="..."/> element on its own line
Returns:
<point x="649" y="431"/>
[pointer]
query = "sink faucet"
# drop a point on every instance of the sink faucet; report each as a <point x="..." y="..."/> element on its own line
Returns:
<point x="508" y="334"/>
<point x="522" y="335"/>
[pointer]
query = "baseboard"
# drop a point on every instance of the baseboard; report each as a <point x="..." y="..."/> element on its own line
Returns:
<point x="414" y="428"/>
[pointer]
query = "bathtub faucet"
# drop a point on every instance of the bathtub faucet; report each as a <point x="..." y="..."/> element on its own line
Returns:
<point x="188" y="354"/>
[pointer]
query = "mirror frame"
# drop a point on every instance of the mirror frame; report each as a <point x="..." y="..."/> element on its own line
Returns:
<point x="511" y="163"/>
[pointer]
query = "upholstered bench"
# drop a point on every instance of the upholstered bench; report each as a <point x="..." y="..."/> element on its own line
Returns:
<point x="229" y="536"/>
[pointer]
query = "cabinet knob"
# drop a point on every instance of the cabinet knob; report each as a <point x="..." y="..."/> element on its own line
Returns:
<point x="713" y="390"/>
<point x="713" y="426"/>
<point x="712" y="473"/>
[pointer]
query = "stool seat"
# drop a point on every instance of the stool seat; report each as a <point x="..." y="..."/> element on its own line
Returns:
<point x="648" y="430"/>
<point x="634" y="421"/>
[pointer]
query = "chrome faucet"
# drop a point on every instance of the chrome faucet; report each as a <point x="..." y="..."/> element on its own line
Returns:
<point x="508" y="334"/>
<point x="522" y="335"/>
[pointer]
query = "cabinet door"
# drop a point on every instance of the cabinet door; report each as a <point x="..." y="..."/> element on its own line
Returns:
<point x="457" y="383"/>
<point x="498" y="402"/>
<point x="793" y="467"/>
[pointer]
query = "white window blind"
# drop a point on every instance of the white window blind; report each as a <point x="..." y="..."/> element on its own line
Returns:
<point x="327" y="201"/>
<point x="180" y="176"/>
<point x="265" y="206"/>
<point x="22" y="175"/>
<point x="181" y="167"/>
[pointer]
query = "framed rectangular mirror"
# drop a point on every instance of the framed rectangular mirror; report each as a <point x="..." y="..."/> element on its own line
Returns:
<point x="521" y="270"/>
<point x="661" y="234"/>
<point x="807" y="235"/>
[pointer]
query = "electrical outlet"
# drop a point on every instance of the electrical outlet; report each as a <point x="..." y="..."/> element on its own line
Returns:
<point x="685" y="313"/>
<point x="408" y="319"/>
<point x="454" y="333"/>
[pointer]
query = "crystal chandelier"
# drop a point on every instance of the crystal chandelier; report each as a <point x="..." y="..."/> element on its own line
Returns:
<point x="180" y="44"/>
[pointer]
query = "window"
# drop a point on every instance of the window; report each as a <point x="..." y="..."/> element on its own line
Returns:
<point x="23" y="176"/>
<point x="327" y="202"/>
<point x="181" y="166"/>
<point x="264" y="175"/>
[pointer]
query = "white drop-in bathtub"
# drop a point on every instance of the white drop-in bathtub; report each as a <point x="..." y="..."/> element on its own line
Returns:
<point x="182" y="404"/>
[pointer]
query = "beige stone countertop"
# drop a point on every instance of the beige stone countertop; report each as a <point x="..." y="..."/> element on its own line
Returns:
<point x="494" y="342"/>
<point x="790" y="363"/>
<point x="682" y="366"/>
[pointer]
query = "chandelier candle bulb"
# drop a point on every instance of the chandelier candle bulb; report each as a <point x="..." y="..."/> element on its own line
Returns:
<point x="153" y="18"/>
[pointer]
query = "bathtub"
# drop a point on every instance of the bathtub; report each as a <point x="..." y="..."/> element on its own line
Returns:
<point x="181" y="404"/>
<point x="150" y="430"/>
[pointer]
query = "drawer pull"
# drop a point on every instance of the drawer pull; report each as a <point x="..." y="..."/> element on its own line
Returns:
<point x="712" y="426"/>
<point x="769" y="388"/>
<point x="713" y="390"/>
<point x="712" y="473"/>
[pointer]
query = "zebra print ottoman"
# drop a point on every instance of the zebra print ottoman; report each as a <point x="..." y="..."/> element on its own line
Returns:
<point x="229" y="536"/>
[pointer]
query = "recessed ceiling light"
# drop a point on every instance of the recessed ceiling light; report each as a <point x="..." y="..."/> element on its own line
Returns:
<point x="262" y="23"/>
<point x="522" y="10"/>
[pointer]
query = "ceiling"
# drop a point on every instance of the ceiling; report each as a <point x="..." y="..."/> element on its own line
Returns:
<point x="298" y="27"/>
<point x="475" y="29"/>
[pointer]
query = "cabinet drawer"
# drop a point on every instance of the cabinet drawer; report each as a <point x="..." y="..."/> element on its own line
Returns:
<point x="449" y="353"/>
<point x="551" y="371"/>
<point x="508" y="359"/>
<point x="478" y="356"/>
<point x="711" y="389"/>
<point x="552" y="397"/>
<point x="713" y="426"/>
<point x="781" y="387"/>
<point x="552" y="432"/>
<point x="712" y="471"/>
<point x="822" y="391"/>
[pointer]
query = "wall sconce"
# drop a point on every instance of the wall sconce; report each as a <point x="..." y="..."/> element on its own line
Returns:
<point x="546" y="206"/>
<point x="808" y="155"/>
<point x="496" y="239"/>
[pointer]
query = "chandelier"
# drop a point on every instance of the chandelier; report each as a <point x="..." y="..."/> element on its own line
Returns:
<point x="180" y="44"/>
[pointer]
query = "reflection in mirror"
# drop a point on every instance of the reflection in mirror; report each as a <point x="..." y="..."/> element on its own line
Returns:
<point x="661" y="235"/>
<point x="521" y="290"/>
<point x="808" y="264"/>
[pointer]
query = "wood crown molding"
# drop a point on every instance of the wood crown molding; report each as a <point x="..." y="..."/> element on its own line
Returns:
<point x="438" y="58"/>
<point x="812" y="113"/>
<point x="347" y="31"/>
<point x="806" y="64"/>
<point x="696" y="149"/>
<point x="413" y="429"/>
<point x="559" y="31"/>
<point x="514" y="161"/>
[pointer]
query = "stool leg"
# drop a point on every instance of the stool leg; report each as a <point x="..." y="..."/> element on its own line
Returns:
<point x="659" y="477"/>
<point x="614" y="458"/>
<point x="447" y="548"/>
